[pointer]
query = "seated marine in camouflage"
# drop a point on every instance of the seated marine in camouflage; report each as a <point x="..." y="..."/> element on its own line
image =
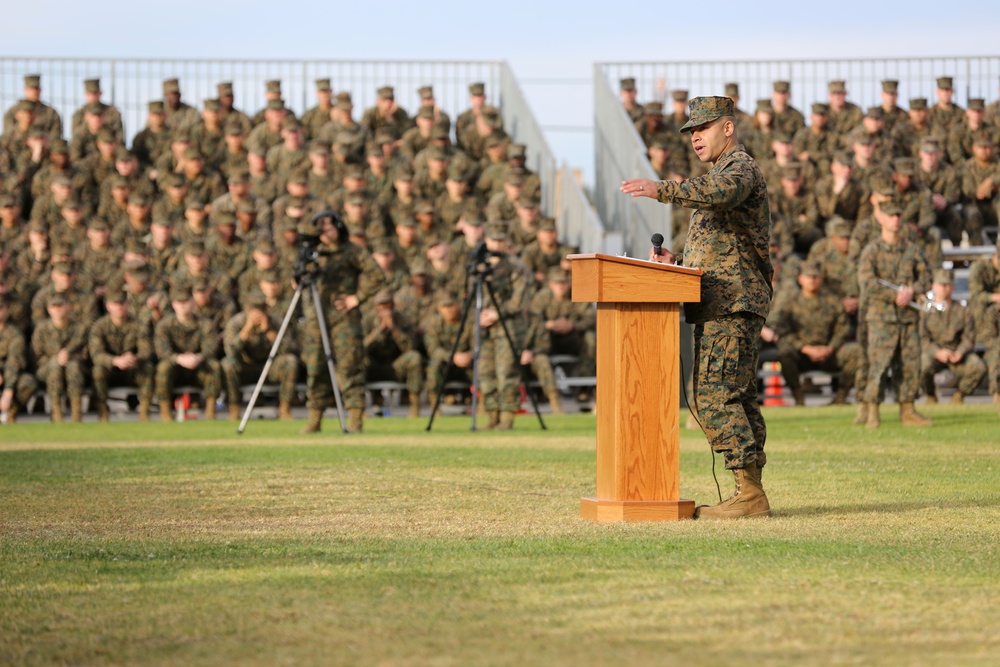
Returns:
<point x="948" y="337"/>
<point x="122" y="354"/>
<point x="59" y="345"/>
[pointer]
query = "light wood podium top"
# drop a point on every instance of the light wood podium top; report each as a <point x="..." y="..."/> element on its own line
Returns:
<point x="609" y="279"/>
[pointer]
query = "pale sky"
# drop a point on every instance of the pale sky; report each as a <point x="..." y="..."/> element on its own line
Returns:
<point x="541" y="41"/>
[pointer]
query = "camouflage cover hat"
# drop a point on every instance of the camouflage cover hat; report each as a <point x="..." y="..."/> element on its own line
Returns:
<point x="477" y="88"/>
<point x="307" y="228"/>
<point x="354" y="171"/>
<point x="445" y="298"/>
<point x="386" y="93"/>
<point x="299" y="177"/>
<point x="123" y="154"/>
<point x="139" y="198"/>
<point x="224" y="88"/>
<point x="891" y="207"/>
<point x="930" y="145"/>
<point x="407" y="221"/>
<point x="557" y="275"/>
<point x="875" y="112"/>
<point x="456" y="172"/>
<point x="323" y="84"/>
<point x="943" y="277"/>
<point x="890" y="86"/>
<point x="66" y="181"/>
<point x="983" y="137"/>
<point x="156" y="106"/>
<point x="495" y="139"/>
<point x="402" y="172"/>
<point x="679" y="95"/>
<point x="270" y="276"/>
<point x="171" y="86"/>
<point x="904" y="166"/>
<point x="792" y="171"/>
<point x="528" y="200"/>
<point x="194" y="247"/>
<point x="224" y="217"/>
<point x="782" y="86"/>
<point x="94" y="109"/>
<point x="233" y="128"/>
<point x="821" y="109"/>
<point x="514" y="177"/>
<point x="32" y="80"/>
<point x="811" y="269"/>
<point x="384" y="135"/>
<point x="862" y="138"/>
<point x="437" y="153"/>
<point x="976" y="104"/>
<point x="63" y="267"/>
<point x="425" y="92"/>
<point x="276" y="104"/>
<point x="180" y="293"/>
<point x="7" y="200"/>
<point x="383" y="296"/>
<point x="319" y="147"/>
<point x="212" y="104"/>
<point x="765" y="106"/>
<point x="195" y="201"/>
<point x="273" y="86"/>
<point x="59" y="147"/>
<point x="38" y="226"/>
<point x="344" y="97"/>
<point x="383" y="246"/>
<point x="356" y="199"/>
<point x="732" y="89"/>
<point x="255" y="301"/>
<point x="837" y="226"/>
<point x="72" y="203"/>
<point x="200" y="284"/>
<point x="92" y="85"/>
<point x="174" y="180"/>
<point x="781" y="136"/>
<point x="516" y="152"/>
<point x="472" y="217"/>
<point x="106" y="136"/>
<point x="944" y="82"/>
<point x="290" y="123"/>
<point x="653" y="108"/>
<point x="423" y="206"/>
<point x="496" y="231"/>
<point x="426" y="113"/>
<point x="441" y="131"/>
<point x="547" y="224"/>
<point x="837" y="86"/>
<point x="918" y="104"/>
<point x="56" y="299"/>
<point x="116" y="296"/>
<point x="627" y="84"/>
<point x="265" y="246"/>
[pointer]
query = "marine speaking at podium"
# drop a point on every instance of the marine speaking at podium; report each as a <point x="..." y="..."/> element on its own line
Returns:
<point x="728" y="241"/>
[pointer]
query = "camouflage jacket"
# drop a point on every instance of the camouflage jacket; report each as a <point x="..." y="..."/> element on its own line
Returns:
<point x="257" y="347"/>
<point x="818" y="320"/>
<point x="901" y="264"/>
<point x="171" y="338"/>
<point x="13" y="359"/>
<point x="48" y="339"/>
<point x="107" y="341"/>
<point x="439" y="338"/>
<point x="729" y="236"/>
<point x="951" y="329"/>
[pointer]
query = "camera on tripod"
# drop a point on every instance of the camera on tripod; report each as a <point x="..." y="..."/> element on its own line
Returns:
<point x="478" y="260"/>
<point x="309" y="239"/>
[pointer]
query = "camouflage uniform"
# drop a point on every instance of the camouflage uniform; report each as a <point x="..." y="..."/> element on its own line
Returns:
<point x="893" y="334"/>
<point x="979" y="213"/>
<point x="728" y="241"/>
<point x="582" y="340"/>
<point x="108" y="341"/>
<point x="245" y="359"/>
<point x="984" y="282"/>
<point x="391" y="355"/>
<point x="990" y="326"/>
<point x="14" y="364"/>
<point x="952" y="329"/>
<point x="172" y="338"/>
<point x="69" y="380"/>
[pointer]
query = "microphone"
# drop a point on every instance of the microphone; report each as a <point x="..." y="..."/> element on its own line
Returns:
<point x="657" y="240"/>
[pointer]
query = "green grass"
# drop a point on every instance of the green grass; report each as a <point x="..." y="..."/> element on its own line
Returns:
<point x="187" y="544"/>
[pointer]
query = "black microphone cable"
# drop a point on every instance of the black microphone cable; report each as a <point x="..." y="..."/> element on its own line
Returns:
<point x="694" y="413"/>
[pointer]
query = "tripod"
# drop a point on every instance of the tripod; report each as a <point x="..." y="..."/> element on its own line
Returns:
<point x="303" y="278"/>
<point x="479" y="269"/>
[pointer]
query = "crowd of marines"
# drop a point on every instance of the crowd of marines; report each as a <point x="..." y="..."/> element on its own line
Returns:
<point x="861" y="203"/>
<point x="173" y="261"/>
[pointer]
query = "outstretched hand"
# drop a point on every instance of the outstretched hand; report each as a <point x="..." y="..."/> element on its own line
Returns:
<point x="640" y="187"/>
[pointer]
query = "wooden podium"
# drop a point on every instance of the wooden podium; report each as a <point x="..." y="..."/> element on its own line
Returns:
<point x="638" y="385"/>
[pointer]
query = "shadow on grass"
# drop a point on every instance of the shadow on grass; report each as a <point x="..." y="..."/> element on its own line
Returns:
<point x="885" y="508"/>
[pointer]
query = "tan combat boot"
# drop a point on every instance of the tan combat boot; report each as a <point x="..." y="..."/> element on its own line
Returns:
<point x="166" y="409"/>
<point x="957" y="398"/>
<point x="800" y="396"/>
<point x="748" y="500"/>
<point x="908" y="416"/>
<point x="932" y="399"/>
<point x="840" y="398"/>
<point x="315" y="419"/>
<point x="75" y="410"/>
<point x="414" y="408"/>
<point x="12" y="413"/>
<point x="555" y="402"/>
<point x="861" y="418"/>
<point x="493" y="419"/>
<point x="144" y="410"/>
<point x="874" y="419"/>
<point x="284" y="410"/>
<point x="210" y="413"/>
<point x="234" y="412"/>
<point x="57" y="412"/>
<point x="506" y="421"/>
<point x="102" y="412"/>
<point x="355" y="420"/>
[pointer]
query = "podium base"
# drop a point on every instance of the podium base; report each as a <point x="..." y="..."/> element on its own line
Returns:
<point x="601" y="510"/>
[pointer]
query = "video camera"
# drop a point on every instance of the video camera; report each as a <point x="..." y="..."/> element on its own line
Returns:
<point x="309" y="243"/>
<point x="478" y="259"/>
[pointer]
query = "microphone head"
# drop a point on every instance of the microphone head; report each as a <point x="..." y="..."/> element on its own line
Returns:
<point x="657" y="240"/>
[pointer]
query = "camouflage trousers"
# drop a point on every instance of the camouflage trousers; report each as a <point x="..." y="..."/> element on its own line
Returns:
<point x="435" y="372"/>
<point x="207" y="376"/>
<point x="541" y="368"/>
<point x="969" y="372"/>
<point x="346" y="344"/>
<point x="844" y="360"/>
<point x="24" y="388"/>
<point x="992" y="359"/>
<point x="59" y="381"/>
<point x="725" y="387"/>
<point x="140" y="377"/>
<point x="581" y="344"/>
<point x="978" y="214"/>
<point x="283" y="372"/>
<point x="499" y="371"/>
<point x="895" y="346"/>
<point x="407" y="368"/>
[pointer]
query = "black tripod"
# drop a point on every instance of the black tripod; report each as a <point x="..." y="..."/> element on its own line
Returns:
<point x="478" y="267"/>
<point x="305" y="274"/>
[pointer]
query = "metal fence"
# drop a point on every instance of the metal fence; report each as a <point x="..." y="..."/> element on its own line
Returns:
<point x="974" y="76"/>
<point x="579" y="224"/>
<point x="130" y="84"/>
<point x="620" y="155"/>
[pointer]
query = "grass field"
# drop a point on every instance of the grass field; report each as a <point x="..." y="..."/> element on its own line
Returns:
<point x="187" y="544"/>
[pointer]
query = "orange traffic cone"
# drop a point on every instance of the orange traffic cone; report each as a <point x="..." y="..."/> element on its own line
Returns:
<point x="773" y="385"/>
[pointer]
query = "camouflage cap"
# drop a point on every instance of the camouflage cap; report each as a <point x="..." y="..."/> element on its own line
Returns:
<point x="156" y="107"/>
<point x="862" y="138"/>
<point x="66" y="181"/>
<point x="64" y="249"/>
<point x="426" y="92"/>
<point x="781" y="136"/>
<point x="496" y="139"/>
<point x="224" y="218"/>
<point x="354" y="170"/>
<point x="171" y="86"/>
<point x="419" y="268"/>
<point x="792" y="171"/>
<point x="514" y="176"/>
<point x="192" y="153"/>
<point x="265" y="247"/>
<point x="478" y="88"/>
<point x="765" y="106"/>
<point x="323" y="85"/>
<point x="299" y="177"/>
<point x="195" y="247"/>
<point x="290" y="124"/>
<point x="56" y="299"/>
<point x="270" y="276"/>
<point x="983" y="137"/>
<point x="557" y="275"/>
<point x="472" y="217"/>
<point x="930" y="145"/>
<point x="25" y="105"/>
<point x="918" y="104"/>
<point x="72" y="203"/>
<point x="59" y="147"/>
<point x="406" y="221"/>
<point x="106" y="136"/>
<point x="496" y="231"/>
<point x="344" y="97"/>
<point x="875" y="112"/>
<point x="528" y="200"/>
<point x="233" y="128"/>
<point x="837" y="86"/>
<point x="945" y="82"/>
<point x="181" y="135"/>
<point x="627" y="84"/>
<point x="943" y="277"/>
<point x="92" y="85"/>
<point x="276" y="104"/>
<point x="116" y="296"/>
<point x="821" y="109"/>
<point x="441" y="131"/>
<point x="255" y="300"/>
<point x="732" y="89"/>
<point x="212" y="104"/>
<point x="782" y="86"/>
<point x="890" y="86"/>
<point x="383" y="296"/>
<point x="63" y="267"/>
<point x="679" y="95"/>
<point x="386" y="93"/>
<point x="273" y="86"/>
<point x="423" y="206"/>
<point x="426" y="113"/>
<point x="140" y="198"/>
<point x="180" y="293"/>
<point x="384" y="135"/>
<point x="356" y="199"/>
<point x="7" y="200"/>
<point x="456" y="172"/>
<point x="383" y="246"/>
<point x="516" y="152"/>
<point x="547" y="224"/>
<point x="195" y="201"/>
<point x="437" y="153"/>
<point x="402" y="172"/>
<point x="319" y="147"/>
<point x="837" y="226"/>
<point x="653" y="108"/>
<point x="307" y="228"/>
<point x="891" y="207"/>
<point x="32" y="80"/>
<point x="904" y="166"/>
<point x="445" y="298"/>
<point x="174" y="180"/>
<point x="224" y="88"/>
<point x="813" y="269"/>
<point x="124" y="155"/>
<point x="200" y="284"/>
<point x="976" y="104"/>
<point x="94" y="109"/>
